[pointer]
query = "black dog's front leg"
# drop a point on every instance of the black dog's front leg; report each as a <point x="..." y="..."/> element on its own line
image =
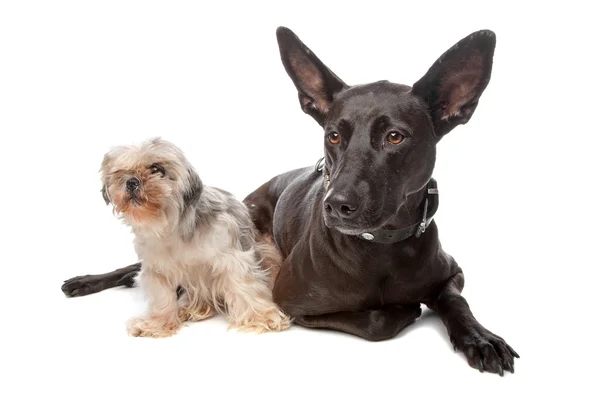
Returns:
<point x="483" y="349"/>
<point x="373" y="325"/>
<point x="88" y="284"/>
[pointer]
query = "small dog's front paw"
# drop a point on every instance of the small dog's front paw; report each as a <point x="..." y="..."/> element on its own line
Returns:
<point x="270" y="321"/>
<point x="485" y="351"/>
<point x="196" y="314"/>
<point x="151" y="327"/>
<point x="276" y="321"/>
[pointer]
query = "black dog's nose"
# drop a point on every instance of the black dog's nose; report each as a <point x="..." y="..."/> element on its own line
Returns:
<point x="342" y="204"/>
<point x="132" y="184"/>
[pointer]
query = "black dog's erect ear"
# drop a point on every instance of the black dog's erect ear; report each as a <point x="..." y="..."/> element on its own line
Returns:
<point x="315" y="83"/>
<point x="454" y="83"/>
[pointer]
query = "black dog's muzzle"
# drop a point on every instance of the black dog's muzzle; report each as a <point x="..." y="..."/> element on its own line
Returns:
<point x="430" y="206"/>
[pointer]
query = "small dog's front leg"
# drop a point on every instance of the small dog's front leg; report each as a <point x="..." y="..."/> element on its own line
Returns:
<point x="483" y="349"/>
<point x="162" y="319"/>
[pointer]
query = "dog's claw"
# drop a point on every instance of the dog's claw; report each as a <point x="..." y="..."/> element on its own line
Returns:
<point x="485" y="351"/>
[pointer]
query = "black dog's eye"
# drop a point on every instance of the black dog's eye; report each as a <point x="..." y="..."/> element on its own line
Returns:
<point x="334" y="138"/>
<point x="156" y="169"/>
<point x="395" y="137"/>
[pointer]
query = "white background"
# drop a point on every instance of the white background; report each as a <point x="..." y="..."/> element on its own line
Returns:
<point x="518" y="190"/>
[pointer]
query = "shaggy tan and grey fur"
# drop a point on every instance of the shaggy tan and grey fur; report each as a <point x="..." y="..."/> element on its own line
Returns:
<point x="193" y="237"/>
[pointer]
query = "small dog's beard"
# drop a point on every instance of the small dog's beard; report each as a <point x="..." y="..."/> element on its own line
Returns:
<point x="144" y="208"/>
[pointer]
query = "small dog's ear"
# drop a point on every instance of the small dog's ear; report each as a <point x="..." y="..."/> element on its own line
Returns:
<point x="454" y="83"/>
<point x="103" y="170"/>
<point x="193" y="188"/>
<point x="315" y="83"/>
<point x="105" y="195"/>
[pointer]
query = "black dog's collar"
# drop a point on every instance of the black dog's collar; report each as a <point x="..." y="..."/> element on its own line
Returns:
<point x="430" y="207"/>
<point x="397" y="235"/>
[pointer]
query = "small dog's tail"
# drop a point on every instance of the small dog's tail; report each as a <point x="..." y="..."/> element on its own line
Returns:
<point x="270" y="258"/>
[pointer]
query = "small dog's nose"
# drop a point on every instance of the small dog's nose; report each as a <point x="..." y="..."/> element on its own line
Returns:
<point x="132" y="184"/>
<point x="342" y="205"/>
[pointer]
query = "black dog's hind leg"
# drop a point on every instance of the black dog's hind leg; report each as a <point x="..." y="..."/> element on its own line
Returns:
<point x="483" y="349"/>
<point x="374" y="325"/>
<point x="88" y="284"/>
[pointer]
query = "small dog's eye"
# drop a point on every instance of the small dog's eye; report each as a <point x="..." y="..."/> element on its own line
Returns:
<point x="395" y="137"/>
<point x="334" y="138"/>
<point x="156" y="169"/>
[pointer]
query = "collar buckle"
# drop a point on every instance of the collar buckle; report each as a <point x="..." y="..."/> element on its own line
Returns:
<point x="424" y="222"/>
<point x="421" y="228"/>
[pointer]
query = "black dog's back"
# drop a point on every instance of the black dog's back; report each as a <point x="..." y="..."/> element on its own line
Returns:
<point x="262" y="201"/>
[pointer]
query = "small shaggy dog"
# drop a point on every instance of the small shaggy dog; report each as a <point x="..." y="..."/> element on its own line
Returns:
<point x="200" y="252"/>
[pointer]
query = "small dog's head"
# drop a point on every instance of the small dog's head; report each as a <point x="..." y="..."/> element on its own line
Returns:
<point x="149" y="184"/>
<point x="380" y="138"/>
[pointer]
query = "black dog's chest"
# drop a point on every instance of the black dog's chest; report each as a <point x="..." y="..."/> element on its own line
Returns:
<point x="334" y="279"/>
<point x="325" y="271"/>
<point x="399" y="277"/>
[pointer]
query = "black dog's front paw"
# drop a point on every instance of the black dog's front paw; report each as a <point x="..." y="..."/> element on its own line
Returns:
<point x="485" y="351"/>
<point x="89" y="284"/>
<point x="80" y="286"/>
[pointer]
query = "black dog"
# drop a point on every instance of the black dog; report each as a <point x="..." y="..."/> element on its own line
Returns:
<point x="360" y="246"/>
